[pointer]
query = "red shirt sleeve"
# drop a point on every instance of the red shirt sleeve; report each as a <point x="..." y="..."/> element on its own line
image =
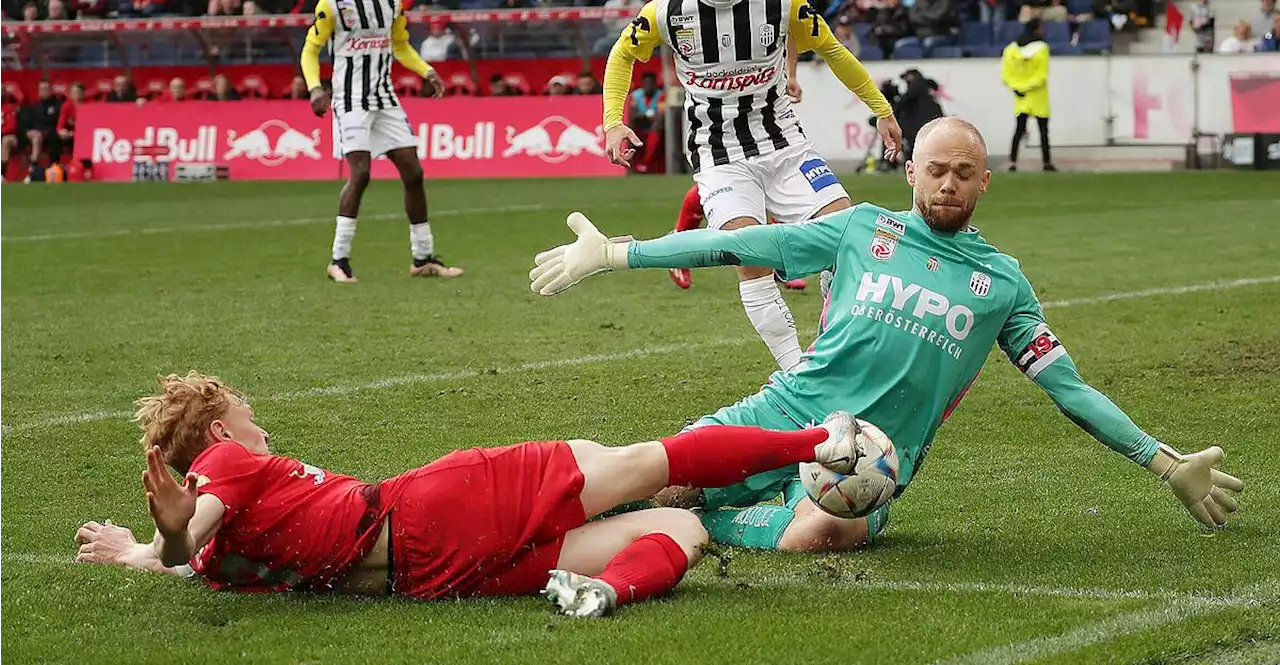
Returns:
<point x="67" y="116"/>
<point x="230" y="472"/>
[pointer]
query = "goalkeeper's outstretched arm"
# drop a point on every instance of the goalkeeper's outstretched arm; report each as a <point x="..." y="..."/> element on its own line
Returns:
<point x="792" y="249"/>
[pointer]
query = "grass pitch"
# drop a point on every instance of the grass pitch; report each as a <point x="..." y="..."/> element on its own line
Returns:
<point x="1022" y="540"/>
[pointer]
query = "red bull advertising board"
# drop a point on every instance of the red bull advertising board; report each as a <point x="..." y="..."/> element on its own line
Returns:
<point x="507" y="137"/>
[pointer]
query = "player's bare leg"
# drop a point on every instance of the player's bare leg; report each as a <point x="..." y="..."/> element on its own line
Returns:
<point x="824" y="280"/>
<point x="813" y="530"/>
<point x="639" y="555"/>
<point x="421" y="241"/>
<point x="348" y="212"/>
<point x="765" y="307"/>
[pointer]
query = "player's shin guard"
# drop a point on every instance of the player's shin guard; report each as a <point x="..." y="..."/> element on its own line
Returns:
<point x="769" y="313"/>
<point x="721" y="455"/>
<point x="759" y="527"/>
<point x="343" y="235"/>
<point x="650" y="566"/>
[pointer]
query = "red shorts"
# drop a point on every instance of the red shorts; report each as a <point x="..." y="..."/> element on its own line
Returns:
<point x="483" y="522"/>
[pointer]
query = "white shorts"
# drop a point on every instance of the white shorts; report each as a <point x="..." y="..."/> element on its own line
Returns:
<point x="375" y="132"/>
<point x="793" y="184"/>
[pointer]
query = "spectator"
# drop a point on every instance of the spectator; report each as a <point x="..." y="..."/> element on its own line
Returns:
<point x="844" y="33"/>
<point x="498" y="87"/>
<point x="298" y="89"/>
<point x="148" y="8"/>
<point x="177" y="90"/>
<point x="122" y="90"/>
<point x="1240" y="41"/>
<point x="645" y="117"/>
<point x="558" y="86"/>
<point x="435" y="47"/>
<point x="932" y="20"/>
<point x="224" y="7"/>
<point x="67" y="115"/>
<point x="891" y="24"/>
<point x="1045" y="10"/>
<point x="8" y="134"/>
<point x="30" y="12"/>
<point x="1024" y="68"/>
<point x="58" y="11"/>
<point x="1202" y="20"/>
<point x="915" y="107"/>
<point x="588" y="85"/>
<point x="222" y="90"/>
<point x="1260" y="24"/>
<point x="39" y="123"/>
<point x="1271" y="41"/>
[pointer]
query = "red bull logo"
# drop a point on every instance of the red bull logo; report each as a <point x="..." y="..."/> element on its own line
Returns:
<point x="272" y="143"/>
<point x="554" y="140"/>
<point x="155" y="142"/>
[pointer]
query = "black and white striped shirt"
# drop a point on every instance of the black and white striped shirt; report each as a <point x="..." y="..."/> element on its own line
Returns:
<point x="362" y="53"/>
<point x="730" y="57"/>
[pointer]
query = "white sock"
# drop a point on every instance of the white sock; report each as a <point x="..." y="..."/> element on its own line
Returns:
<point x="772" y="318"/>
<point x="421" y="242"/>
<point x="343" y="234"/>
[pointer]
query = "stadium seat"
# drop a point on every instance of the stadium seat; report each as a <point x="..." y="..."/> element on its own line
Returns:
<point x="1057" y="32"/>
<point x="409" y="85"/>
<point x="930" y="43"/>
<point x="989" y="51"/>
<point x="1095" y="36"/>
<point x="862" y="31"/>
<point x="870" y="53"/>
<point x="155" y="89"/>
<point x="1007" y="32"/>
<point x="974" y="34"/>
<point x="253" y="87"/>
<point x="1078" y="7"/>
<point x="460" y="84"/>
<point x="946" y="52"/>
<point x="101" y="89"/>
<point x="1065" y="48"/>
<point x="203" y="89"/>
<point x="908" y="42"/>
<point x="907" y="51"/>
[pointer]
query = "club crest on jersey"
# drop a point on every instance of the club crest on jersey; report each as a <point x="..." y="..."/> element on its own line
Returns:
<point x="931" y="265"/>
<point x="768" y="35"/>
<point x="686" y="42"/>
<point x="883" y="245"/>
<point x="348" y="12"/>
<point x="726" y="41"/>
<point x="894" y="225"/>
<point x="980" y="283"/>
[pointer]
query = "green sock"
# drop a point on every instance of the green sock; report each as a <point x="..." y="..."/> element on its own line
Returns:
<point x="760" y="527"/>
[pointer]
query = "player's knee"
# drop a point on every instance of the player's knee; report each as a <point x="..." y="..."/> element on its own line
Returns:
<point x="683" y="527"/>
<point x="359" y="178"/>
<point x="822" y="533"/>
<point x="411" y="174"/>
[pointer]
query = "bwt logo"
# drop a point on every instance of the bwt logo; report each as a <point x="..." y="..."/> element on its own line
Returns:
<point x="570" y="140"/>
<point x="258" y="144"/>
<point x="714" y="81"/>
<point x="959" y="318"/>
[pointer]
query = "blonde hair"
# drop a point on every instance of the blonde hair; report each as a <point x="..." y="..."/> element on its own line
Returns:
<point x="178" y="419"/>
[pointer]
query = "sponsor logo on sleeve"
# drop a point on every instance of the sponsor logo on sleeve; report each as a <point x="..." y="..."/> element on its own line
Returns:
<point x="818" y="174"/>
<point x="681" y="20"/>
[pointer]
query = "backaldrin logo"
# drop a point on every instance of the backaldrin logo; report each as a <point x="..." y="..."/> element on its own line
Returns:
<point x="735" y="79"/>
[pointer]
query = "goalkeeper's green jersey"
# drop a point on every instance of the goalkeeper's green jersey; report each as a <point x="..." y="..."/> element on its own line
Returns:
<point x="908" y="323"/>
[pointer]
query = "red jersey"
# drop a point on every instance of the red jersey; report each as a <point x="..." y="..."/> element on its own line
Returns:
<point x="10" y="125"/>
<point x="287" y="525"/>
<point x="67" y="116"/>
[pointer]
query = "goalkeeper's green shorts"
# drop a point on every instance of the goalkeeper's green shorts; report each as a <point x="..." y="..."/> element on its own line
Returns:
<point x="758" y="411"/>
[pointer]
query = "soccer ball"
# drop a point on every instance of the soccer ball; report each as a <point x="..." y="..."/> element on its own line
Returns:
<point x="858" y="494"/>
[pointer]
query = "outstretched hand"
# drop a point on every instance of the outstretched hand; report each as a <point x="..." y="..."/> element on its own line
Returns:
<point x="561" y="267"/>
<point x="1206" y="492"/>
<point x="171" y="505"/>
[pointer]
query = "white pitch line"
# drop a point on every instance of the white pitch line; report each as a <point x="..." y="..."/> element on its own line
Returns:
<point x="1102" y="631"/>
<point x="413" y="379"/>
<point x="301" y="221"/>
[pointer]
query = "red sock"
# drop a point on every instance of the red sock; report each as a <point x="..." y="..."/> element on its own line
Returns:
<point x="648" y="567"/>
<point x="721" y="455"/>
<point x="690" y="211"/>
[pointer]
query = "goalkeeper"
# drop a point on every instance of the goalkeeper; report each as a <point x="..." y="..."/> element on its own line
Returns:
<point x="919" y="287"/>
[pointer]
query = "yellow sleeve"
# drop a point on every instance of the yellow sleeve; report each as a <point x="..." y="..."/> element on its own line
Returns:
<point x="404" y="52"/>
<point x="811" y="33"/>
<point x="1040" y="71"/>
<point x="317" y="36"/>
<point x="637" y="42"/>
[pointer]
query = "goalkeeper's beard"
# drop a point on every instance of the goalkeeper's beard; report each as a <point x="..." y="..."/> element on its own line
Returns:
<point x="945" y="218"/>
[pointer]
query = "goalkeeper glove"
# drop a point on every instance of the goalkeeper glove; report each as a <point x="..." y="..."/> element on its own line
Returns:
<point x="1204" y="490"/>
<point x="560" y="268"/>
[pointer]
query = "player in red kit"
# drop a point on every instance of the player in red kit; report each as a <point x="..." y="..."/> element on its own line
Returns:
<point x="479" y="522"/>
